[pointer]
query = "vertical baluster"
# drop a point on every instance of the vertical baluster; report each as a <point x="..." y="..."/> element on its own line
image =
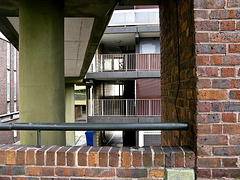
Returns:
<point x="137" y="138"/>
<point x="149" y="62"/>
<point x="126" y="108"/>
<point x="102" y="107"/>
<point x="149" y="102"/>
<point x="126" y="62"/>
<point x="101" y="65"/>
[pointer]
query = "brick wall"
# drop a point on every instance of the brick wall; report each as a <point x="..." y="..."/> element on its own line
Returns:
<point x="217" y="24"/>
<point x="214" y="133"/>
<point x="3" y="77"/>
<point x="7" y="137"/>
<point x="91" y="162"/>
<point x="178" y="74"/>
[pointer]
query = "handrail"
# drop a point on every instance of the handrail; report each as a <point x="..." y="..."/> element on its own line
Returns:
<point x="90" y="126"/>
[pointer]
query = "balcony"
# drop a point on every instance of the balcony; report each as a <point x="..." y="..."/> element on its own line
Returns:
<point x="124" y="110"/>
<point x="121" y="66"/>
<point x="135" y="17"/>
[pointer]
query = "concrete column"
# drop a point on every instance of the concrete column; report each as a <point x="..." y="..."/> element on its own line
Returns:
<point x="96" y="138"/>
<point x="41" y="68"/>
<point x="88" y="91"/>
<point x="69" y="113"/>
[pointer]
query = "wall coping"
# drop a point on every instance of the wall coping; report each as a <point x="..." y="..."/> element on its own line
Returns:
<point x="88" y="161"/>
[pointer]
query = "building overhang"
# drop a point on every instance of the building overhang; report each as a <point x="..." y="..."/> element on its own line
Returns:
<point x="124" y="119"/>
<point x="85" y="23"/>
<point x="124" y="75"/>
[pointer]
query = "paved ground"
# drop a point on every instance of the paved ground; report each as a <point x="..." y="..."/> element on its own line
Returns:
<point x="113" y="138"/>
<point x="80" y="138"/>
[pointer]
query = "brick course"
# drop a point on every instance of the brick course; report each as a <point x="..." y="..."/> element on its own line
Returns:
<point x="152" y="166"/>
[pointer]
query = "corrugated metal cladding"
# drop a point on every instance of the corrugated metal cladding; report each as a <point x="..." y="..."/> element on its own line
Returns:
<point x="148" y="88"/>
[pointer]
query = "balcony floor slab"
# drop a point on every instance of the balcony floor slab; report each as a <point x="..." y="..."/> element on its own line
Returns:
<point x="121" y="75"/>
<point x="124" y="119"/>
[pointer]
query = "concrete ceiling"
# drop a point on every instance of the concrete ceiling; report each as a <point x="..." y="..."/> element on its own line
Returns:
<point x="85" y="23"/>
<point x="125" y="39"/>
<point x="125" y="36"/>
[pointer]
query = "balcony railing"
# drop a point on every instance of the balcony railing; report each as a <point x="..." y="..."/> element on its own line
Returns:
<point x="125" y="62"/>
<point x="135" y="17"/>
<point x="124" y="107"/>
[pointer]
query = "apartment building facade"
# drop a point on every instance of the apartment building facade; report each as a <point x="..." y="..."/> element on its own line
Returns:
<point x="125" y="73"/>
<point x="9" y="105"/>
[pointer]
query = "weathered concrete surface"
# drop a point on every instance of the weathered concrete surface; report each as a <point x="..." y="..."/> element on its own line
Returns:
<point x="179" y="174"/>
<point x="41" y="68"/>
<point x="69" y="112"/>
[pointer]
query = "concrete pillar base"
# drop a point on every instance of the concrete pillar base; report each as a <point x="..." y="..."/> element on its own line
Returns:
<point x="69" y="113"/>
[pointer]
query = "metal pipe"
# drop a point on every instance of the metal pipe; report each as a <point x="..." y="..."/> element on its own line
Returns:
<point x="93" y="126"/>
<point x="89" y="126"/>
<point x="38" y="138"/>
<point x="137" y="139"/>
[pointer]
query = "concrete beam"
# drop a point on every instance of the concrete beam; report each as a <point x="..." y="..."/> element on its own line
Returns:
<point x="124" y="119"/>
<point x="123" y="75"/>
<point x="9" y="32"/>
<point x="132" y="29"/>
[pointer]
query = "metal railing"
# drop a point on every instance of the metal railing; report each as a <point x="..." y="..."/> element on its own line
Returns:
<point x="125" y="62"/>
<point x="135" y="17"/>
<point x="124" y="107"/>
<point x="85" y="127"/>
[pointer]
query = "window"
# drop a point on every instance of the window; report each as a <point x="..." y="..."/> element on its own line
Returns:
<point x="8" y="55"/>
<point x="15" y="60"/>
<point x="15" y="75"/>
<point x="8" y="85"/>
<point x="114" y="90"/>
<point x="8" y="77"/>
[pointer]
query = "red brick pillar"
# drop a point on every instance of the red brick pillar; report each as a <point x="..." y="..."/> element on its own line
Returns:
<point x="178" y="75"/>
<point x="217" y="25"/>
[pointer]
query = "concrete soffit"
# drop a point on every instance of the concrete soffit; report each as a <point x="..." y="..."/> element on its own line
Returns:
<point x="85" y="23"/>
